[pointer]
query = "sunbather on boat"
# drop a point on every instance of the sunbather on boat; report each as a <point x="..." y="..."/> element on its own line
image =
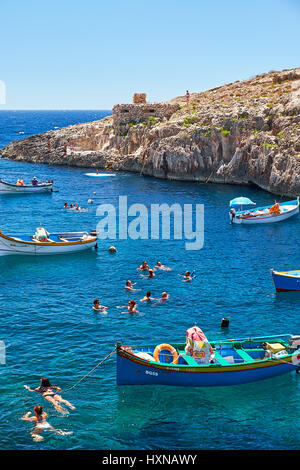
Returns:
<point x="41" y="424"/>
<point x="49" y="392"/>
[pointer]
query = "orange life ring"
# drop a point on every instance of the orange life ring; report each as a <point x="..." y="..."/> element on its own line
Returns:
<point x="164" y="347"/>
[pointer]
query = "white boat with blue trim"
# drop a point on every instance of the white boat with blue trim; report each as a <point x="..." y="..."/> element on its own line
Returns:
<point x="21" y="187"/>
<point x="45" y="243"/>
<point x="268" y="214"/>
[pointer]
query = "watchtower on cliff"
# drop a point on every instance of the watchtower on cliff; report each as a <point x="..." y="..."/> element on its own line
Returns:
<point x="140" y="111"/>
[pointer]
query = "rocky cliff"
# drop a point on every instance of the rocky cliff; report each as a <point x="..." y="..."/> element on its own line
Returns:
<point x="243" y="132"/>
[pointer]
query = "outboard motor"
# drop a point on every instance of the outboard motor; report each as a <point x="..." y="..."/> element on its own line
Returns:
<point x="294" y="342"/>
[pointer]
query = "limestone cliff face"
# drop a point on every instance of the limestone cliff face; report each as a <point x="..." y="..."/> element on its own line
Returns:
<point x="243" y="132"/>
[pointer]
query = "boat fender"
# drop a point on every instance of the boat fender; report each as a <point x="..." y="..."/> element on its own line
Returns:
<point x="165" y="347"/>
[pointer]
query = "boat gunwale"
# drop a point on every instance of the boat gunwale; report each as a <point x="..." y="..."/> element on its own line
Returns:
<point x="294" y="202"/>
<point x="283" y="273"/>
<point x="39" y="185"/>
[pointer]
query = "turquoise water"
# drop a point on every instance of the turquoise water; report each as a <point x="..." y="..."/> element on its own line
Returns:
<point x="50" y="329"/>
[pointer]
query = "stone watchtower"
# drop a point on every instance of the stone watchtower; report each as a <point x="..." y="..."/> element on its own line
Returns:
<point x="141" y="111"/>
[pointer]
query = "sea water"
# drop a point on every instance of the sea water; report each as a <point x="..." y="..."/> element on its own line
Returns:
<point x="50" y="329"/>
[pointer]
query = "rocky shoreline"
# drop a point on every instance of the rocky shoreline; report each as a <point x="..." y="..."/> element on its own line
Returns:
<point x="241" y="133"/>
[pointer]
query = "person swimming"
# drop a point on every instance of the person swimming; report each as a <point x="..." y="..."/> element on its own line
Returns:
<point x="144" y="266"/>
<point x="162" y="267"/>
<point x="98" y="307"/>
<point x="129" y="286"/>
<point x="147" y="297"/>
<point x="41" y="423"/>
<point x="49" y="392"/>
<point x="187" y="276"/>
<point x="66" y="205"/>
<point x="149" y="275"/>
<point x="132" y="306"/>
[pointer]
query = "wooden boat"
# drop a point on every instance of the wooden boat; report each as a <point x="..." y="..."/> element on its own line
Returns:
<point x="9" y="188"/>
<point x="268" y="214"/>
<point x="234" y="362"/>
<point x="286" y="280"/>
<point x="44" y="243"/>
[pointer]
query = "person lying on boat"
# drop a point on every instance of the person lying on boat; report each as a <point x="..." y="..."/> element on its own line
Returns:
<point x="144" y="266"/>
<point x="147" y="297"/>
<point x="275" y="209"/>
<point x="20" y="182"/>
<point x="34" y="181"/>
<point x="49" y="392"/>
<point x="162" y="267"/>
<point x="129" y="286"/>
<point x="41" y="424"/>
<point x="149" y="275"/>
<point x="98" y="307"/>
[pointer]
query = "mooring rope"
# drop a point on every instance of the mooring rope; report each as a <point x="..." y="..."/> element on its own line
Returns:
<point x="92" y="370"/>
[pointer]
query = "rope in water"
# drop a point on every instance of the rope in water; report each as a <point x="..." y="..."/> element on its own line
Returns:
<point x="92" y="370"/>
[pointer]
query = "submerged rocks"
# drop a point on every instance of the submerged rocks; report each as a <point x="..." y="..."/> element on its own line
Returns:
<point x="243" y="132"/>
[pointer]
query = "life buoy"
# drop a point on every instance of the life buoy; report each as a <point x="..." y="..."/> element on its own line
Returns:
<point x="165" y="347"/>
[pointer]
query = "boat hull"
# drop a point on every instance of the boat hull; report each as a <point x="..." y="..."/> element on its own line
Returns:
<point x="12" y="246"/>
<point x="289" y="209"/>
<point x="134" y="370"/>
<point x="286" y="281"/>
<point x="27" y="188"/>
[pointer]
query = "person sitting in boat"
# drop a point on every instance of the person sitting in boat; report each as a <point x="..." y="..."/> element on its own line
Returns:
<point x="34" y="181"/>
<point x="41" y="234"/>
<point x="49" y="392"/>
<point x="20" y="182"/>
<point x="275" y="209"/>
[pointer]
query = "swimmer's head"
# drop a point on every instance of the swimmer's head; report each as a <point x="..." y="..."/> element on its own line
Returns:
<point x="148" y="294"/>
<point x="128" y="283"/>
<point x="164" y="295"/>
<point x="158" y="263"/>
<point x="187" y="273"/>
<point x="45" y="382"/>
<point x="96" y="301"/>
<point x="38" y="410"/>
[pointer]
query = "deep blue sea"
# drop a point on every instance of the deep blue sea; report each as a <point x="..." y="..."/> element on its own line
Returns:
<point x="50" y="329"/>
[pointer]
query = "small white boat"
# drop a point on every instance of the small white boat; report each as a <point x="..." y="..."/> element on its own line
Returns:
<point x="45" y="243"/>
<point x="99" y="175"/>
<point x="25" y="188"/>
<point x="269" y="214"/>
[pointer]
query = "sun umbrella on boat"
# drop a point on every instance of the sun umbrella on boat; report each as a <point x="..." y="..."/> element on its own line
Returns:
<point x="241" y="201"/>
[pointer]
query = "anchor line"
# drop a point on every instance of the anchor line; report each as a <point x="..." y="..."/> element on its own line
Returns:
<point x="92" y="370"/>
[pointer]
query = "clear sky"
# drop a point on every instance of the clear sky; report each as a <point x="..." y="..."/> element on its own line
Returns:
<point x="91" y="54"/>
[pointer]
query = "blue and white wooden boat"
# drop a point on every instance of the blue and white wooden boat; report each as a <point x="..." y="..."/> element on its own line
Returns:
<point x="235" y="362"/>
<point x="45" y="243"/>
<point x="9" y="188"/>
<point x="285" y="281"/>
<point x="268" y="214"/>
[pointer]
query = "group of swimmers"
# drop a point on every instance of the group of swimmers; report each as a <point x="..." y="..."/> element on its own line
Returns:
<point x="132" y="306"/>
<point x="39" y="418"/>
<point x="74" y="207"/>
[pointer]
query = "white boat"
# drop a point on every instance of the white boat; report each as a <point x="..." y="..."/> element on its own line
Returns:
<point x="25" y="188"/>
<point x="268" y="214"/>
<point x="45" y="243"/>
<point x="99" y="175"/>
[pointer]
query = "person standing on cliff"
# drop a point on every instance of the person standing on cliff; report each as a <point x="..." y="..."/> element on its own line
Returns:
<point x="187" y="96"/>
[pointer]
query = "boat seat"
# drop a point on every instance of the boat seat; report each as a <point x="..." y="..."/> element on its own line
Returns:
<point x="220" y="359"/>
<point x="189" y="359"/>
<point x="244" y="355"/>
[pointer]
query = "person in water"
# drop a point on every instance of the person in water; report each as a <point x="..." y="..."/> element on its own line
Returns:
<point x="187" y="277"/>
<point x="97" y="306"/>
<point x="147" y="297"/>
<point x="132" y="306"/>
<point x="41" y="423"/>
<point x="144" y="266"/>
<point x="164" y="296"/>
<point x="161" y="266"/>
<point x="65" y="205"/>
<point x="150" y="274"/>
<point x="129" y="286"/>
<point x="49" y="392"/>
